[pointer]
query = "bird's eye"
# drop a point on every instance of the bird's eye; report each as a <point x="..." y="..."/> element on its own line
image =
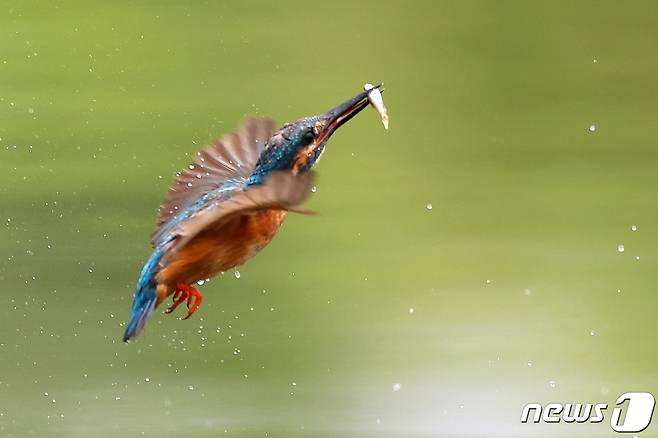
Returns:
<point x="308" y="137"/>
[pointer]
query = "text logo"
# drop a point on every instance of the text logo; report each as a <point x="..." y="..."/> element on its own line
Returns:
<point x="632" y="412"/>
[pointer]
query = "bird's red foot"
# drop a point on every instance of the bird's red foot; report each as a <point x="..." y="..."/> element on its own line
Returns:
<point x="183" y="293"/>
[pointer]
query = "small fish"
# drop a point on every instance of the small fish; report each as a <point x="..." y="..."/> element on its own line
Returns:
<point x="377" y="102"/>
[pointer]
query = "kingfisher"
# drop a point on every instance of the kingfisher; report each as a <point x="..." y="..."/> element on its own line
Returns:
<point x="228" y="204"/>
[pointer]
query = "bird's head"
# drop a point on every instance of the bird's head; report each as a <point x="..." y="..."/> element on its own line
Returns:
<point x="298" y="145"/>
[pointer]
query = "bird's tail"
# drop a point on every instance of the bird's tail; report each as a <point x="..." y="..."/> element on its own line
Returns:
<point x="145" y="297"/>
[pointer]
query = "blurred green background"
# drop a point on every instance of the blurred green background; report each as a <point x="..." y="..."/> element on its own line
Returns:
<point x="464" y="263"/>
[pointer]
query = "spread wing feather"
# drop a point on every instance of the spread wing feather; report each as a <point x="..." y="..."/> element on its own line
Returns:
<point x="233" y="157"/>
<point x="281" y="190"/>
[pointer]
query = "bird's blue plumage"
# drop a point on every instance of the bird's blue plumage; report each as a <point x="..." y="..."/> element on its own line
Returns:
<point x="145" y="296"/>
<point x="283" y="153"/>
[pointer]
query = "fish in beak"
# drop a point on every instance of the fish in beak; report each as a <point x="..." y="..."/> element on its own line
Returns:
<point x="341" y="114"/>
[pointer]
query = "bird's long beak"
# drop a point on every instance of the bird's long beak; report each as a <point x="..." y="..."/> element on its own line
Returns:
<point x="339" y="115"/>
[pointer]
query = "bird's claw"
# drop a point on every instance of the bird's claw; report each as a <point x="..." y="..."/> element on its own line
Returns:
<point x="186" y="293"/>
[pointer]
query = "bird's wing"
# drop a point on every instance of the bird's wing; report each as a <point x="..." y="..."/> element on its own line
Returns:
<point x="281" y="190"/>
<point x="233" y="157"/>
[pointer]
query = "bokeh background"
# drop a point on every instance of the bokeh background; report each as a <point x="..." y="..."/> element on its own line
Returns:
<point x="464" y="263"/>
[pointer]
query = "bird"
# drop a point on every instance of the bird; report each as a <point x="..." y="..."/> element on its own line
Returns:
<point x="229" y="203"/>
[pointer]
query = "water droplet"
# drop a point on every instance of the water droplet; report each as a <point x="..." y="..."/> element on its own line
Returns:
<point x="637" y="257"/>
<point x="595" y="60"/>
<point x="592" y="333"/>
<point x="190" y="388"/>
<point x="621" y="248"/>
<point x="633" y="227"/>
<point x="314" y="189"/>
<point x="396" y="387"/>
<point x="411" y="310"/>
<point x="146" y="379"/>
<point x="552" y="384"/>
<point x="527" y="292"/>
<point x="529" y="363"/>
<point x="237" y="274"/>
<point x="429" y="206"/>
<point x="487" y="281"/>
<point x="592" y="128"/>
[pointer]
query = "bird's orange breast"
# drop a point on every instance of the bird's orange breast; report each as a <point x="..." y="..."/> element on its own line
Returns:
<point x="222" y="246"/>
